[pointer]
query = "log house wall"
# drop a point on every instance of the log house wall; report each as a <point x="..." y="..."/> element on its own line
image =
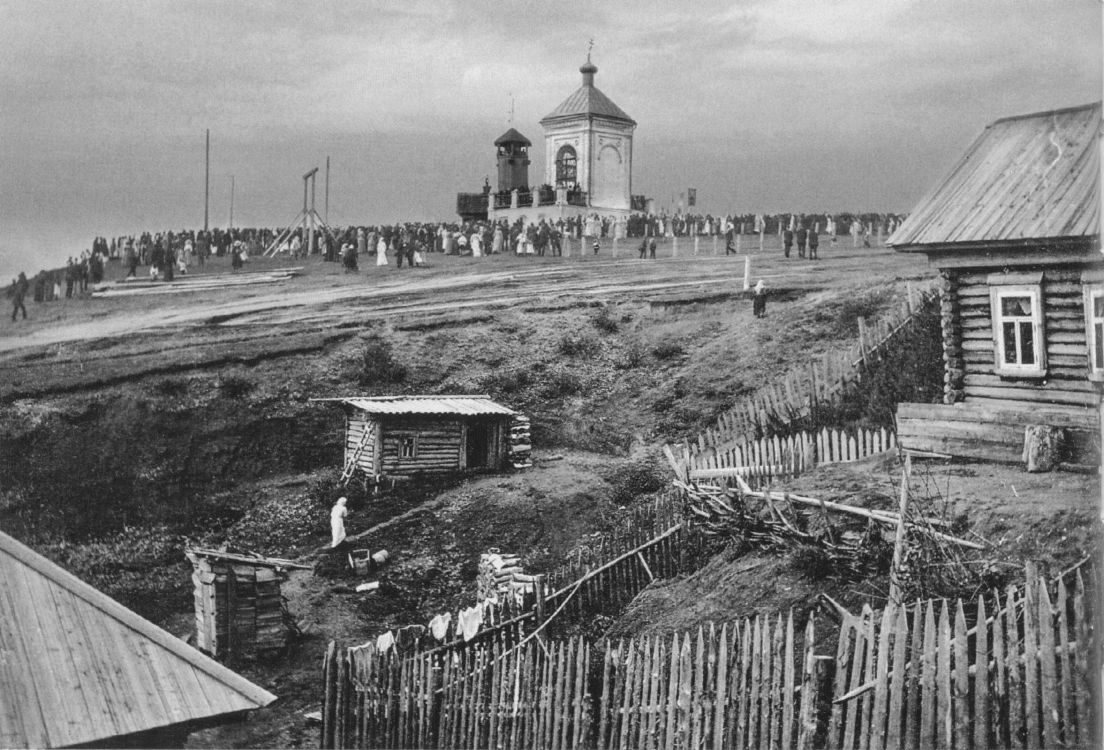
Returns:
<point x="1067" y="379"/>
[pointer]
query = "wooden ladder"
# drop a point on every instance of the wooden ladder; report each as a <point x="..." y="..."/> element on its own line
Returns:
<point x="351" y="464"/>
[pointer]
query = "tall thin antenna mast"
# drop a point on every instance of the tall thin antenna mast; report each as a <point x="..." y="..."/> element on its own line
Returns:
<point x="231" y="202"/>
<point x="326" y="209"/>
<point x="207" y="182"/>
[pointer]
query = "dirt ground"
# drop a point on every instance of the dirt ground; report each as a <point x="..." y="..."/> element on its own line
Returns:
<point x="132" y="425"/>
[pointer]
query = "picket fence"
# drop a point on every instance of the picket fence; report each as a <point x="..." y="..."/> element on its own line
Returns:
<point x="944" y="674"/>
<point x="775" y="458"/>
<point x="775" y="407"/>
<point x="1016" y="678"/>
<point x="748" y="684"/>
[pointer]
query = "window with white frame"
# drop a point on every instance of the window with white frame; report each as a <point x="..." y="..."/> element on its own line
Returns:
<point x="1018" y="338"/>
<point x="1094" y="329"/>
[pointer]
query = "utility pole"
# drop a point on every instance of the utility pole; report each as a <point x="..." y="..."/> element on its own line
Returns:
<point x="207" y="182"/>
<point x="326" y="209"/>
<point x="231" y="202"/>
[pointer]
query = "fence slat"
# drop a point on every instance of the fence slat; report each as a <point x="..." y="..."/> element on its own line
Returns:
<point x="788" y="684"/>
<point x="1031" y="665"/>
<point x="685" y="691"/>
<point x="961" y="680"/>
<point x="928" y="699"/>
<point x="720" y="684"/>
<point x="943" y="678"/>
<point x="912" y="708"/>
<point x="1084" y="643"/>
<point x="877" y="728"/>
<point x="897" y="686"/>
<point x="742" y="687"/>
<point x="998" y="703"/>
<point x="776" y="682"/>
<point x="672" y="693"/>
<point x="1048" y="687"/>
<point x="1015" y="672"/>
<point x="1069" y="719"/>
<point x="981" y="678"/>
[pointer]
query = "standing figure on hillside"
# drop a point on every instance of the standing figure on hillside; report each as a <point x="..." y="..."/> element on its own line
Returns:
<point x="337" y="523"/>
<point x="477" y="244"/>
<point x="18" y="293"/>
<point x="814" y="243"/>
<point x="759" y="300"/>
<point x="651" y="247"/>
<point x="787" y="241"/>
<point x="802" y="236"/>
<point x="643" y="248"/>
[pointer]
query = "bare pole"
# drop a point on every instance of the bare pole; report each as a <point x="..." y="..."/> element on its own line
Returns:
<point x="326" y="209"/>
<point x="231" y="202"/>
<point x="207" y="182"/>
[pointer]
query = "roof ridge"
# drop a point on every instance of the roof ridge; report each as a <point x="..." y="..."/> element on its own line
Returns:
<point x="132" y="620"/>
<point x="1046" y="113"/>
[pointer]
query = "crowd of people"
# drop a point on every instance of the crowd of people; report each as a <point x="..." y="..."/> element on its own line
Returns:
<point x="167" y="254"/>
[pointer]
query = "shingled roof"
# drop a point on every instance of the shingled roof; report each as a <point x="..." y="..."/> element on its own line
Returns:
<point x="587" y="100"/>
<point x="77" y="667"/>
<point x="1029" y="177"/>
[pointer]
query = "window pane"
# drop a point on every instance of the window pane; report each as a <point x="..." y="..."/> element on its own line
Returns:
<point x="1015" y="306"/>
<point x="1010" y="343"/>
<point x="1098" y="349"/>
<point x="1027" y="344"/>
<point x="1098" y="305"/>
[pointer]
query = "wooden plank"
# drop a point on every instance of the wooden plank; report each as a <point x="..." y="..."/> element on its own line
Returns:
<point x="1070" y="724"/>
<point x="742" y="687"/>
<point x="653" y="669"/>
<point x="945" y="732"/>
<point x="754" y="739"/>
<point x="870" y="667"/>
<point x="1017" y="721"/>
<point x="928" y="700"/>
<point x="788" y="684"/>
<point x="1048" y="686"/>
<point x="775" y="713"/>
<point x="685" y="691"/>
<point x="845" y="664"/>
<point x="1031" y="665"/>
<point x="877" y="728"/>
<point x="607" y="686"/>
<point x="673" y="693"/>
<point x="981" y="678"/>
<point x="1082" y="678"/>
<point x="896" y="704"/>
<point x="720" y="684"/>
<point x="809" y="683"/>
<point x="961" y="679"/>
<point x="634" y="694"/>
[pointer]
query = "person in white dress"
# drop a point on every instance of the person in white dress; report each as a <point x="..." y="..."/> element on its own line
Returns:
<point x="477" y="244"/>
<point x="381" y="252"/>
<point x="337" y="522"/>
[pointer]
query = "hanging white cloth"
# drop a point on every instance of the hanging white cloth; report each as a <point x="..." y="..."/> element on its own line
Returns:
<point x="439" y="625"/>
<point x="470" y="621"/>
<point x="384" y="642"/>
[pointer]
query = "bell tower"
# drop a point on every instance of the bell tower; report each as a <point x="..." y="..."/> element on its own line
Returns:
<point x="513" y="160"/>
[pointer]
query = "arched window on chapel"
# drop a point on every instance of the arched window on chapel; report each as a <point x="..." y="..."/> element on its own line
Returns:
<point x="566" y="167"/>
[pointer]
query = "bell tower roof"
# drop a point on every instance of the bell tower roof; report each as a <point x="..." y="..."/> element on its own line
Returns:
<point x="512" y="136"/>
<point x="587" y="101"/>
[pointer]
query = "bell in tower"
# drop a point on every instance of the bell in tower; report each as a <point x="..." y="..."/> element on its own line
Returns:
<point x="513" y="160"/>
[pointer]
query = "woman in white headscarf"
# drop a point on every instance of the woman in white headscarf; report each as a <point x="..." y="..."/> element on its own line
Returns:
<point x="759" y="300"/>
<point x="477" y="244"/>
<point x="381" y="252"/>
<point x="337" y="522"/>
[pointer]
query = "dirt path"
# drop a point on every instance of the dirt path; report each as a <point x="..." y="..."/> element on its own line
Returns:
<point x="455" y="283"/>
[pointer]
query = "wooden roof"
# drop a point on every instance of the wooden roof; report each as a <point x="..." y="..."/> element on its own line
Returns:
<point x="467" y="406"/>
<point x="76" y="666"/>
<point x="587" y="101"/>
<point x="512" y="136"/>
<point x="1030" y="177"/>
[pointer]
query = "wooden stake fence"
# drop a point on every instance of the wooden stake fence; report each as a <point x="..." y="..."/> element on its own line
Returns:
<point x="752" y="683"/>
<point x="774" y="408"/>
<point x="1016" y="678"/>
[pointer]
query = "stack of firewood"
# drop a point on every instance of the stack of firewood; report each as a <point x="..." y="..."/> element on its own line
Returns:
<point x="521" y="447"/>
<point x="502" y="575"/>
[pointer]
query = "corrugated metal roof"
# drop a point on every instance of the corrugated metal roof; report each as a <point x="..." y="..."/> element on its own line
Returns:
<point x="469" y="406"/>
<point x="1027" y="177"/>
<point x="587" y="100"/>
<point x="76" y="666"/>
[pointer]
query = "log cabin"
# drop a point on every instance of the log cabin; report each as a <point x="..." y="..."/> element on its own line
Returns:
<point x="1014" y="230"/>
<point x="398" y="436"/>
<point x="78" y="668"/>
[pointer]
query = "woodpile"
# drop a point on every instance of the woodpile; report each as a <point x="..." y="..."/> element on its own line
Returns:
<point x="502" y="576"/>
<point x="239" y="610"/>
<point x="521" y="445"/>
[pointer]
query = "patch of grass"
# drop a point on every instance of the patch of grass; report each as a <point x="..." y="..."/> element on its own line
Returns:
<point x="508" y="381"/>
<point x="579" y="345"/>
<point x="634" y="479"/>
<point x="171" y="387"/>
<point x="668" y="350"/>
<point x="811" y="562"/>
<point x="235" y="386"/>
<point x="604" y="321"/>
<point x="377" y="363"/>
<point x="561" y="382"/>
<point x="633" y="355"/>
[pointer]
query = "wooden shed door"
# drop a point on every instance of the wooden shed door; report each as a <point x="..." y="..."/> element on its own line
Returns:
<point x="479" y="438"/>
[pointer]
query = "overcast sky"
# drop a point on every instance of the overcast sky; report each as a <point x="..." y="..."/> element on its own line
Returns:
<point x="772" y="105"/>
